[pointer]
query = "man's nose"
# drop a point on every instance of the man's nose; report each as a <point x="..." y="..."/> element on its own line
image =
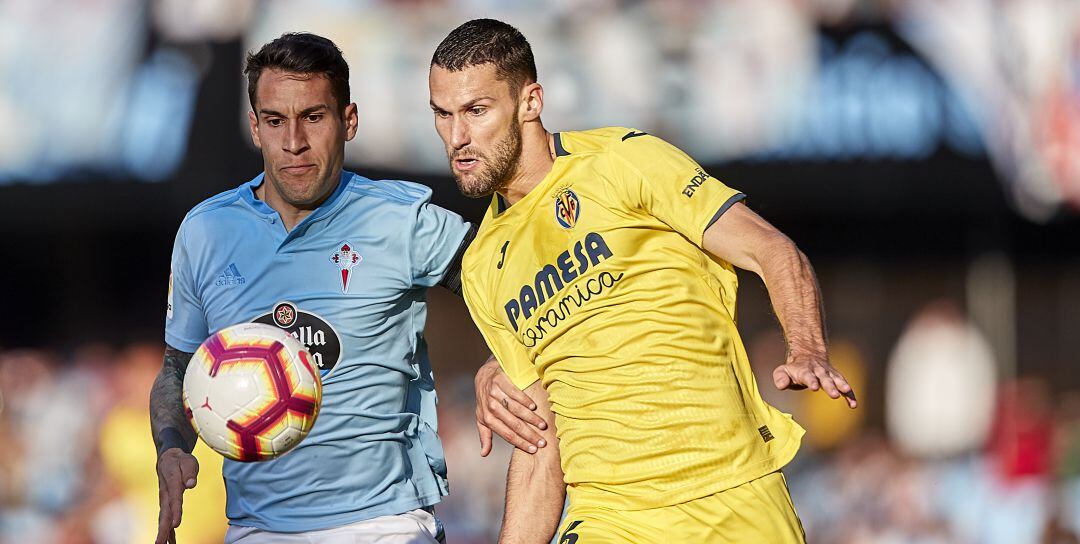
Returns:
<point x="459" y="134"/>
<point x="295" y="141"/>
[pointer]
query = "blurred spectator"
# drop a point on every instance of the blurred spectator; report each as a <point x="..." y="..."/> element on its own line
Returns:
<point x="128" y="457"/>
<point x="940" y="385"/>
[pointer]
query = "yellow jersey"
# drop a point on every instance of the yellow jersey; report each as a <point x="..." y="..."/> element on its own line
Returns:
<point x="596" y="283"/>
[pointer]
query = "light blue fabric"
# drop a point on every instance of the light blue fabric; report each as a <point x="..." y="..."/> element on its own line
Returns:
<point x="373" y="450"/>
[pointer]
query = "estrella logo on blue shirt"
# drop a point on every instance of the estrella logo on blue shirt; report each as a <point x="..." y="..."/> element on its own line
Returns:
<point x="567" y="208"/>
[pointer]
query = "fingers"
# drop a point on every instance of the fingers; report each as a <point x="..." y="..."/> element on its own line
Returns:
<point x="520" y="412"/>
<point x="828" y="384"/>
<point x="170" y="493"/>
<point x="790" y="377"/>
<point x="164" y="517"/>
<point x="511" y="428"/>
<point x="177" y="472"/>
<point x="189" y="470"/>
<point x="485" y="436"/>
<point x="852" y="402"/>
<point x="780" y="378"/>
<point x="512" y="437"/>
<point x="837" y="386"/>
<point x="814" y="376"/>
<point x="507" y="388"/>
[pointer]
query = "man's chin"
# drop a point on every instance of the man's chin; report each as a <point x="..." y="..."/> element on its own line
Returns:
<point x="472" y="189"/>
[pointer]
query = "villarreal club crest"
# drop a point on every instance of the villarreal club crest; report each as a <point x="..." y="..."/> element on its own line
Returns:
<point x="567" y="208"/>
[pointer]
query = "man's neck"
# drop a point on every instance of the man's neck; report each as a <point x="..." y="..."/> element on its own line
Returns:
<point x="290" y="214"/>
<point x="537" y="158"/>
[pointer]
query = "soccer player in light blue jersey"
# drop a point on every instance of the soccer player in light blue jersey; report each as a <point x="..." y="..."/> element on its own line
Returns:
<point x="343" y="263"/>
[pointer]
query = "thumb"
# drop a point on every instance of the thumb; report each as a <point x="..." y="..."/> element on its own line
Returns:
<point x="485" y="439"/>
<point x="781" y="378"/>
<point x="189" y="470"/>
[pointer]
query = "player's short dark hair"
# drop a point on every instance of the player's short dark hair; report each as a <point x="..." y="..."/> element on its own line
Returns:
<point x="301" y="53"/>
<point x="483" y="41"/>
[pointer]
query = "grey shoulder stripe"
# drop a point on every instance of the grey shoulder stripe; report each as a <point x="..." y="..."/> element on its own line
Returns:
<point x="727" y="204"/>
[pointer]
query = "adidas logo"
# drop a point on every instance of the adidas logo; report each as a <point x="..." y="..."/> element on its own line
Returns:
<point x="230" y="277"/>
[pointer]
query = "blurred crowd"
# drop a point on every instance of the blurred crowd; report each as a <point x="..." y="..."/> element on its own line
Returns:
<point x="787" y="89"/>
<point x="78" y="463"/>
<point x="962" y="455"/>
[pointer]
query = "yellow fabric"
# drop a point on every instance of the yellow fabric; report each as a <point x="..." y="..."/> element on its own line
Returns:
<point x="628" y="322"/>
<point x="757" y="511"/>
<point x="129" y="458"/>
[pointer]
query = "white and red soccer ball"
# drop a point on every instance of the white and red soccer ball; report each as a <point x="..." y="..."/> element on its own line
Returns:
<point x="252" y="392"/>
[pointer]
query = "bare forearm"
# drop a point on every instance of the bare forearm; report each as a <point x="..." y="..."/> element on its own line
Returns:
<point x="534" y="484"/>
<point x="534" y="499"/>
<point x="795" y="295"/>
<point x="168" y="422"/>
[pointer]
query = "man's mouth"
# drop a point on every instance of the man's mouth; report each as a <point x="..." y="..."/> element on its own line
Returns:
<point x="297" y="169"/>
<point x="466" y="164"/>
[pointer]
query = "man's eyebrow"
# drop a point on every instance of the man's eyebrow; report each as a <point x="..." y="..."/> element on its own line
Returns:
<point x="314" y="109"/>
<point x="466" y="106"/>
<point x="473" y="102"/>
<point x="306" y="111"/>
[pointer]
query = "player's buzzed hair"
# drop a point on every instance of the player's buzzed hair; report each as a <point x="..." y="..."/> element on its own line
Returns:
<point x="483" y="41"/>
<point x="301" y="53"/>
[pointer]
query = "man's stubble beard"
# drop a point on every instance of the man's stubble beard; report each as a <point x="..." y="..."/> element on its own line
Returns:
<point x="499" y="168"/>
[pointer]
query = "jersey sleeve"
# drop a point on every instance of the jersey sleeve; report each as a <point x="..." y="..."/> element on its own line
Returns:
<point x="185" y="321"/>
<point x="436" y="243"/>
<point x="660" y="179"/>
<point x="511" y="355"/>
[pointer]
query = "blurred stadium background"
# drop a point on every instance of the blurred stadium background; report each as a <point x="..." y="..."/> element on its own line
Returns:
<point x="924" y="153"/>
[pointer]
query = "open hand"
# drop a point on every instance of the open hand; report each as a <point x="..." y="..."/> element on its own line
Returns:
<point x="503" y="408"/>
<point x="814" y="373"/>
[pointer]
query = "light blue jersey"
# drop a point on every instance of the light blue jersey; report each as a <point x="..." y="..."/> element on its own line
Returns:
<point x="349" y="282"/>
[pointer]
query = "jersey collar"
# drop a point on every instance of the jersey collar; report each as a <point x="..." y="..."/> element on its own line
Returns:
<point x="331" y="204"/>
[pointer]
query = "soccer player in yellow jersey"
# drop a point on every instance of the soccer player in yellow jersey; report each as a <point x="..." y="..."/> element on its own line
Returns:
<point x="602" y="279"/>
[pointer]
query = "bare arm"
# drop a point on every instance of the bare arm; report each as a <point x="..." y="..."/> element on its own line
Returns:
<point x="744" y="239"/>
<point x="168" y="422"/>
<point x="534" y="485"/>
<point x="174" y="438"/>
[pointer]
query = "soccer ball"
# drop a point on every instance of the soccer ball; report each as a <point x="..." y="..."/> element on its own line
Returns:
<point x="252" y="392"/>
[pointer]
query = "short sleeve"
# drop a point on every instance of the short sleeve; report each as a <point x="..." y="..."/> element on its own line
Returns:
<point x="437" y="238"/>
<point x="512" y="357"/>
<point x="666" y="183"/>
<point x="185" y="322"/>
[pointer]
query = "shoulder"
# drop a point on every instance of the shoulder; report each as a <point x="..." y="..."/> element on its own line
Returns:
<point x="217" y="202"/>
<point x="215" y="210"/>
<point x="625" y="147"/>
<point x="389" y="192"/>
<point x="587" y="142"/>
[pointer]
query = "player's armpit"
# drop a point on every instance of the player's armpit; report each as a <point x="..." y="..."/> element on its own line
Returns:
<point x="535" y="489"/>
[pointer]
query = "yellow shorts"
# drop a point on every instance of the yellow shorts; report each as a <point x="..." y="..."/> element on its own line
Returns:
<point x="757" y="512"/>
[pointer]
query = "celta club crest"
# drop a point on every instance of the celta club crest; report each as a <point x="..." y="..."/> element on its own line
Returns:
<point x="567" y="208"/>
<point x="345" y="257"/>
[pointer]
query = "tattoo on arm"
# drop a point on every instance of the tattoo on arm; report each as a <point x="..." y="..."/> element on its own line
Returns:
<point x="168" y="422"/>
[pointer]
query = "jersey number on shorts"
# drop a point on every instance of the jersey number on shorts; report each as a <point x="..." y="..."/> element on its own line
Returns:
<point x="568" y="536"/>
